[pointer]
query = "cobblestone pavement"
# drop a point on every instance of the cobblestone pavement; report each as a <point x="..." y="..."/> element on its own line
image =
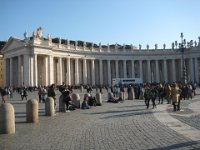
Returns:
<point x="120" y="126"/>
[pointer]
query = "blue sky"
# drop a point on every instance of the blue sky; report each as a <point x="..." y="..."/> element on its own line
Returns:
<point x="106" y="21"/>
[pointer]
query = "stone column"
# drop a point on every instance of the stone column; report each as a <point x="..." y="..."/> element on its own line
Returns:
<point x="165" y="70"/>
<point x="84" y="71"/>
<point x="5" y="72"/>
<point x="51" y="69"/>
<point x="76" y="72"/>
<point x="11" y="71"/>
<point x="19" y="71"/>
<point x="31" y="71"/>
<point x="60" y="71"/>
<point x="35" y="70"/>
<point x="181" y="69"/>
<point x="117" y="68"/>
<point x="26" y="70"/>
<point x="109" y="73"/>
<point x="46" y="70"/>
<point x="93" y="72"/>
<point x="157" y="72"/>
<point x="149" y="75"/>
<point x="68" y="71"/>
<point x="191" y="70"/>
<point x="133" y="69"/>
<point x="173" y="71"/>
<point x="124" y="66"/>
<point x="196" y="70"/>
<point x="141" y="72"/>
<point x="101" y="72"/>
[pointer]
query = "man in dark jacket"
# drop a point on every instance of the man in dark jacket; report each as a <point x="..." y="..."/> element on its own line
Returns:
<point x="51" y="93"/>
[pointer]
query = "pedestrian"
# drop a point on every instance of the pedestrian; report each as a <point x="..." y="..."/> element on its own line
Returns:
<point x="24" y="94"/>
<point x="51" y="93"/>
<point x="153" y="96"/>
<point x="176" y="97"/>
<point x="66" y="98"/>
<point x="40" y="93"/>
<point x="3" y="95"/>
<point x="147" y="95"/>
<point x="168" y="93"/>
<point x="161" y="93"/>
<point x="44" y="93"/>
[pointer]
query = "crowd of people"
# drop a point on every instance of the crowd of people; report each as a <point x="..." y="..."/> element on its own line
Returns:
<point x="171" y="93"/>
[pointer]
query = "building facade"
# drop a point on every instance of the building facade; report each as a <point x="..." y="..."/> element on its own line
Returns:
<point x="38" y="61"/>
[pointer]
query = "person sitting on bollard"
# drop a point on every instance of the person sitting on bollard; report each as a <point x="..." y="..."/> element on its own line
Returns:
<point x="66" y="97"/>
<point x="84" y="104"/>
<point x="112" y="99"/>
<point x="92" y="101"/>
<point x="51" y="93"/>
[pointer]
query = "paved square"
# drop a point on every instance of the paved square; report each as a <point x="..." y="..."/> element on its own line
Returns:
<point x="120" y="126"/>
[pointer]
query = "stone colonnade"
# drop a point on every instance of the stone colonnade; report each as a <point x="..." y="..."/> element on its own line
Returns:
<point x="37" y="69"/>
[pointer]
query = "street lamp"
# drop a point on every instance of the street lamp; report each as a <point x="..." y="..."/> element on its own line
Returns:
<point x="182" y="48"/>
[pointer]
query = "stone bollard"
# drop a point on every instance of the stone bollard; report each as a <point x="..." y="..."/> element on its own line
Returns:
<point x="62" y="105"/>
<point x="32" y="111"/>
<point x="76" y="100"/>
<point x="131" y="95"/>
<point x="99" y="99"/>
<point x="49" y="107"/>
<point x="7" y="119"/>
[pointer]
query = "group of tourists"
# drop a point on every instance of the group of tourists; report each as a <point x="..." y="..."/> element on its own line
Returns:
<point x="172" y="93"/>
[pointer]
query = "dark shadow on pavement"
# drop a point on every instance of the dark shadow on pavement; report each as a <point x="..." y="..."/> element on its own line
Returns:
<point x="179" y="145"/>
<point x="127" y="115"/>
<point x="131" y="106"/>
<point x="117" y="111"/>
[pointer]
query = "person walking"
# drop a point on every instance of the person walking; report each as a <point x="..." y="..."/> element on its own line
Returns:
<point x="168" y="93"/>
<point x="147" y="95"/>
<point x="40" y="91"/>
<point x="176" y="97"/>
<point x="66" y="97"/>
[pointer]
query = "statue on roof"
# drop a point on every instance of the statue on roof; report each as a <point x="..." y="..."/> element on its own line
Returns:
<point x="195" y="43"/>
<point x="173" y="45"/>
<point x="164" y="46"/>
<point x="156" y="46"/>
<point x="49" y="37"/>
<point x="25" y="35"/>
<point x="148" y="46"/>
<point x="140" y="46"/>
<point x="34" y="34"/>
<point x="39" y="32"/>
